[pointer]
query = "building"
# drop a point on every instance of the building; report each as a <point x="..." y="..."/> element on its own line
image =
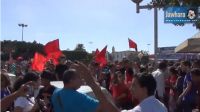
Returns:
<point x="168" y="53"/>
<point x="120" y="55"/>
<point x="191" y="45"/>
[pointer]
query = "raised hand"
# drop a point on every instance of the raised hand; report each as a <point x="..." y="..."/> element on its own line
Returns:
<point x="84" y="72"/>
<point x="24" y="88"/>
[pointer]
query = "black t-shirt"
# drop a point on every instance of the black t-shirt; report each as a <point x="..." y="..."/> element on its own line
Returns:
<point x="60" y="69"/>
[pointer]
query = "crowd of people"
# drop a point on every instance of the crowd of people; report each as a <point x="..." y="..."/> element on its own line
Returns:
<point x="164" y="87"/>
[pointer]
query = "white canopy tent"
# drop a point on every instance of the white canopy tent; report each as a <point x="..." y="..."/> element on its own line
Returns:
<point x="191" y="45"/>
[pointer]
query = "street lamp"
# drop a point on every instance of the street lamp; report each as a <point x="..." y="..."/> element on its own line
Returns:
<point x="150" y="6"/>
<point x="148" y="47"/>
<point x="22" y="25"/>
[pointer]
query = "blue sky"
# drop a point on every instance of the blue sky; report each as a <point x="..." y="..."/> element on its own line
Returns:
<point x="94" y="23"/>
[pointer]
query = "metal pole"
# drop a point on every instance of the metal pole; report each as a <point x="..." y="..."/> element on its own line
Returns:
<point x="22" y="32"/>
<point x="137" y="8"/>
<point x="156" y="33"/>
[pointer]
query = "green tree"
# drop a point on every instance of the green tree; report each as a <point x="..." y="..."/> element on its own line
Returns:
<point x="19" y="48"/>
<point x="80" y="47"/>
<point x="78" y="55"/>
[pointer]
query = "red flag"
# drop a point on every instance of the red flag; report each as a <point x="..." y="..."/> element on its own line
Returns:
<point x="101" y="57"/>
<point x="54" y="56"/>
<point x="52" y="46"/>
<point x="96" y="52"/>
<point x="132" y="44"/>
<point x="38" y="62"/>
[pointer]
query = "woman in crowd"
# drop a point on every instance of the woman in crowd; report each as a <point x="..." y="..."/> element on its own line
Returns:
<point x="128" y="77"/>
<point x="120" y="91"/>
<point x="45" y="93"/>
<point x="172" y="94"/>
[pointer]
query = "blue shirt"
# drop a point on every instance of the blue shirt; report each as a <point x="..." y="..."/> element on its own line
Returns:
<point x="5" y="92"/>
<point x="68" y="100"/>
<point x="190" y="96"/>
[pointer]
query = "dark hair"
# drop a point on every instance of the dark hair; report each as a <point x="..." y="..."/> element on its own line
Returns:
<point x="46" y="74"/>
<point x="115" y="77"/>
<point x="162" y="65"/>
<point x="130" y="71"/>
<point x="147" y="81"/>
<point x="62" y="57"/>
<point x="197" y="63"/>
<point x="195" y="71"/>
<point x="170" y="63"/>
<point x="173" y="70"/>
<point x="180" y="72"/>
<point x="30" y="76"/>
<point x="68" y="75"/>
<point x="143" y="69"/>
<point x="186" y="63"/>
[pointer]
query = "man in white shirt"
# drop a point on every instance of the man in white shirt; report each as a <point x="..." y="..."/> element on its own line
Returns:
<point x="143" y="89"/>
<point x="159" y="76"/>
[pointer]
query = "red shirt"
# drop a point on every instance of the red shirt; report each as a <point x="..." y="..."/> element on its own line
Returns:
<point x="172" y="82"/>
<point x="119" y="89"/>
<point x="128" y="80"/>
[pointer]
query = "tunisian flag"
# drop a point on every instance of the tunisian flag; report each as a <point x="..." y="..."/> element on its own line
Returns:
<point x="96" y="52"/>
<point x="52" y="46"/>
<point x="52" y="51"/>
<point x="101" y="57"/>
<point x="132" y="44"/>
<point x="54" y="56"/>
<point x="38" y="62"/>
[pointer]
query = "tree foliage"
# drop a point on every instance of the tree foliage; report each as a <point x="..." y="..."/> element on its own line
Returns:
<point x="80" y="47"/>
<point x="19" y="48"/>
<point x="78" y="55"/>
<point x="28" y="49"/>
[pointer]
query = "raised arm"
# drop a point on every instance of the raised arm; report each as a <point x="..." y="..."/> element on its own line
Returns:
<point x="105" y="102"/>
<point x="8" y="100"/>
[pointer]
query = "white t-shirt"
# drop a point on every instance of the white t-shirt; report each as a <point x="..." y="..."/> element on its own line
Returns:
<point x="24" y="103"/>
<point x="160" y="80"/>
<point x="150" y="104"/>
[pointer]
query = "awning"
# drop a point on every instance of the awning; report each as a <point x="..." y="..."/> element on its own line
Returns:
<point x="191" y="45"/>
